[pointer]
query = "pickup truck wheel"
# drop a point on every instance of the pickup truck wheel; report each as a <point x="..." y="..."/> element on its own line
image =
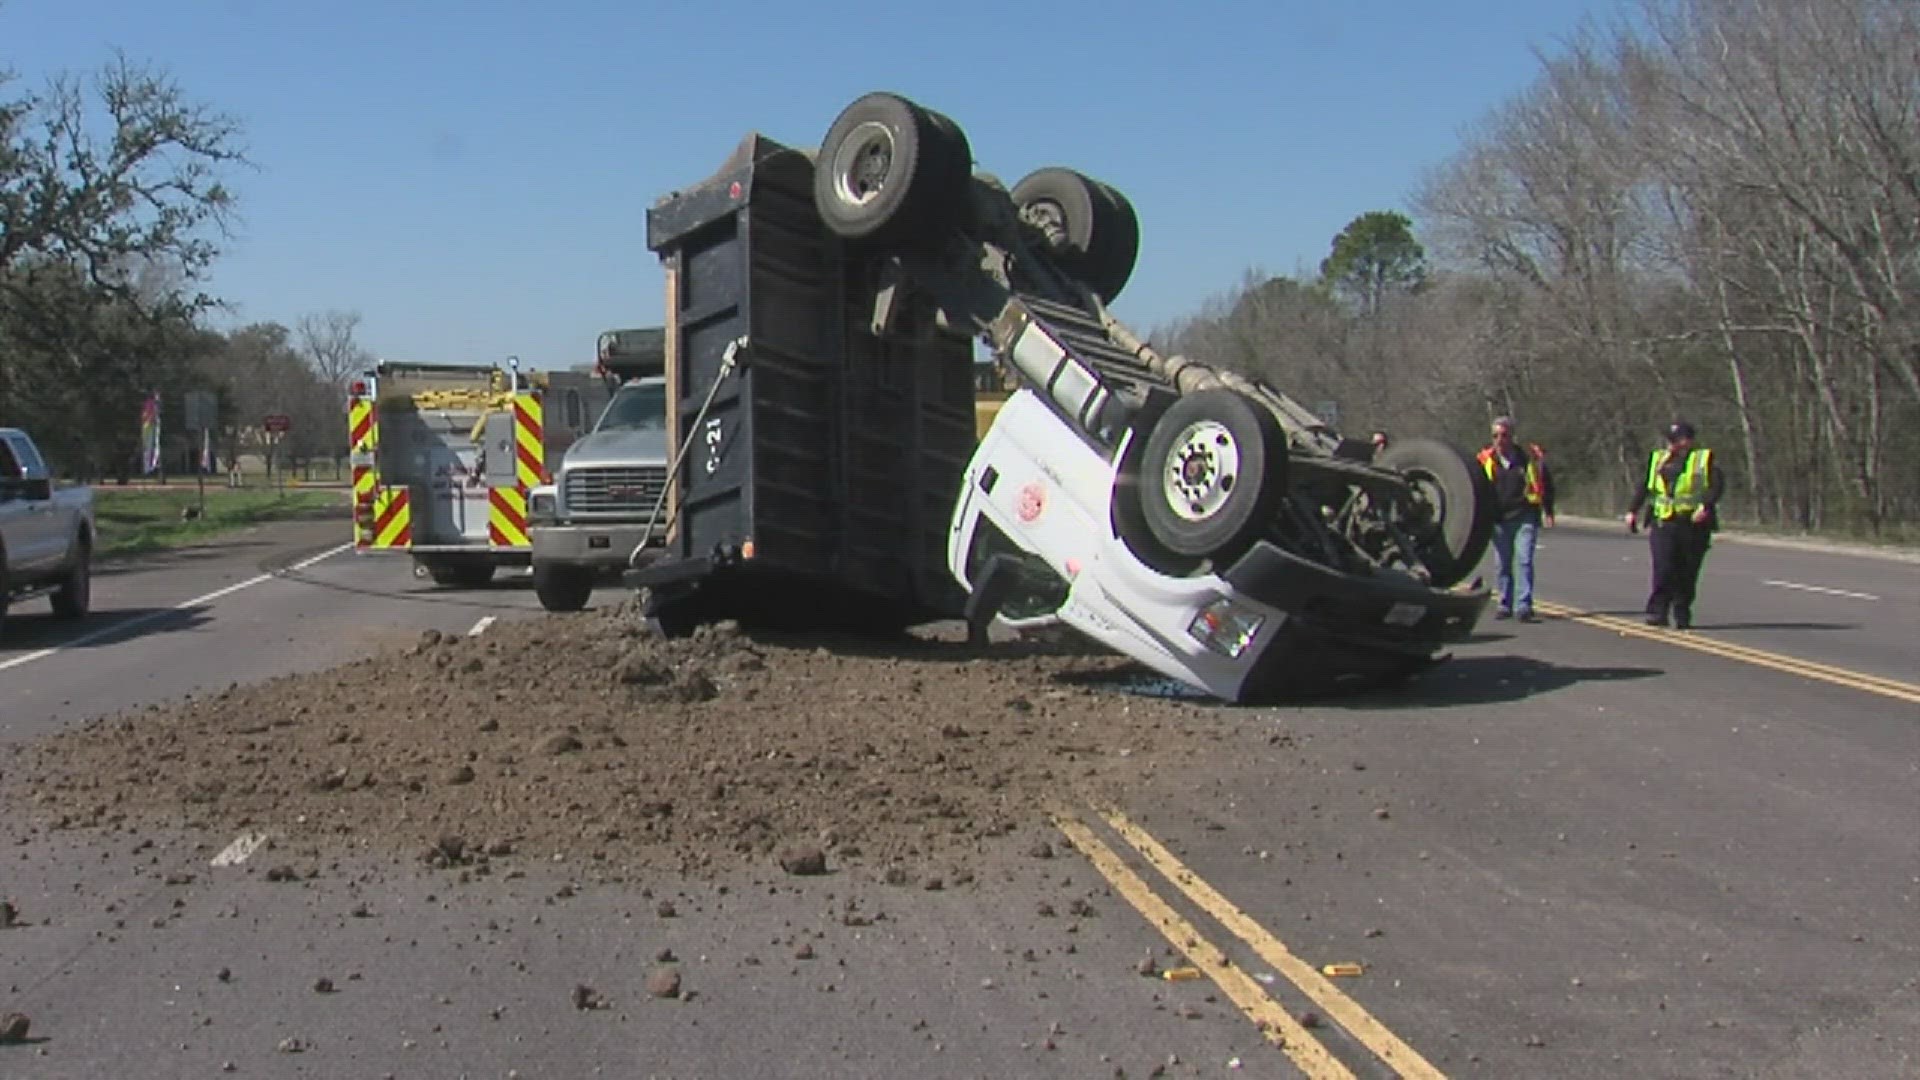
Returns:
<point x="1212" y="475"/>
<point x="561" y="587"/>
<point x="74" y="596"/>
<point x="889" y="169"/>
<point x="1450" y="516"/>
<point x="1089" y="227"/>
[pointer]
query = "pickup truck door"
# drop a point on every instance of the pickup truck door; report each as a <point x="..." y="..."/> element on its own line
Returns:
<point x="34" y="537"/>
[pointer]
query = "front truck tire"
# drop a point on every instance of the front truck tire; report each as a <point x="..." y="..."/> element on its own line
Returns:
<point x="1451" y="516"/>
<point x="74" y="596"/>
<point x="892" y="173"/>
<point x="1212" y="475"/>
<point x="562" y="587"/>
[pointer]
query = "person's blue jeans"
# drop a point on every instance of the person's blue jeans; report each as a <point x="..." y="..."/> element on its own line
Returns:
<point x="1513" y="542"/>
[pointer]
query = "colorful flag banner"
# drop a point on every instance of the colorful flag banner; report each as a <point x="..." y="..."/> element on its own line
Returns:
<point x="150" y="434"/>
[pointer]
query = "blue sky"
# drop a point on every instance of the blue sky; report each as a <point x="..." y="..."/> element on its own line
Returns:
<point x="473" y="178"/>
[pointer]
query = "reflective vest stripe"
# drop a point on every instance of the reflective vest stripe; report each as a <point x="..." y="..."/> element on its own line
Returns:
<point x="1536" y="489"/>
<point x="1690" y="487"/>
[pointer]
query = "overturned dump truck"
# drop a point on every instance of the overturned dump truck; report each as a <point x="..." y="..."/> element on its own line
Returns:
<point x="822" y="310"/>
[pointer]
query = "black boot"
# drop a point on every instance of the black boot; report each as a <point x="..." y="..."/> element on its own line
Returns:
<point x="1682" y="617"/>
<point x="1656" y="613"/>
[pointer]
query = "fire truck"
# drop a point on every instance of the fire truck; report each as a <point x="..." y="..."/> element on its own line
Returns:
<point x="444" y="455"/>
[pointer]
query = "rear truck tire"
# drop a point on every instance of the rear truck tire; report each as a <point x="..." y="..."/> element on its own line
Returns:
<point x="1212" y="475"/>
<point x="1451" y="516"/>
<point x="1090" y="228"/>
<point x="74" y="596"/>
<point x="459" y="573"/>
<point x="561" y="586"/>
<point x="890" y="170"/>
<point x="1122" y="245"/>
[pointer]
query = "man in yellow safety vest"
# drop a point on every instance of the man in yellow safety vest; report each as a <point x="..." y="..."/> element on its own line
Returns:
<point x="1681" y="494"/>
<point x="1523" y="501"/>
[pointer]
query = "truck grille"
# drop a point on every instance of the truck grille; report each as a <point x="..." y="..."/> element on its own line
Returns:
<point x="614" y="490"/>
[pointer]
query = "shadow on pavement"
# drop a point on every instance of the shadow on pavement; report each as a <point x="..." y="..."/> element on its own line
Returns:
<point x="28" y="631"/>
<point x="1617" y="613"/>
<point x="414" y="590"/>
<point x="1637" y="614"/>
<point x="134" y="562"/>
<point x="908" y="645"/>
<point x="1775" y="626"/>
<point x="1481" y="680"/>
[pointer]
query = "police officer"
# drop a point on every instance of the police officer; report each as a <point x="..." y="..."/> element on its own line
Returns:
<point x="1680" y="495"/>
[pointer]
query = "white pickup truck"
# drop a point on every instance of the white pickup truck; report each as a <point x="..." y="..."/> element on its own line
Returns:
<point x="46" y="533"/>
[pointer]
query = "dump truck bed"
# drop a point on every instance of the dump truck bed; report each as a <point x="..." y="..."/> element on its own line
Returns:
<point x="819" y="466"/>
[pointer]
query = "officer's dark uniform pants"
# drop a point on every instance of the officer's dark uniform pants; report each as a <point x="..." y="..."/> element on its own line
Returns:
<point x="1679" y="550"/>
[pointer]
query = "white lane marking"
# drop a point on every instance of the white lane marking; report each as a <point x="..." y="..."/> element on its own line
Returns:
<point x="128" y="624"/>
<point x="481" y="626"/>
<point x="322" y="557"/>
<point x="26" y="659"/>
<point x="1821" y="589"/>
<point x="240" y="850"/>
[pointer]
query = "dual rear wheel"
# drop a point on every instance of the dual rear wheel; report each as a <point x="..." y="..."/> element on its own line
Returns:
<point x="898" y="175"/>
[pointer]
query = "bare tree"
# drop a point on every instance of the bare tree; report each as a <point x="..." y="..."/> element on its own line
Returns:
<point x="1715" y="213"/>
<point x="328" y="340"/>
<point x="108" y="182"/>
<point x="1826" y="164"/>
<point x="111" y="203"/>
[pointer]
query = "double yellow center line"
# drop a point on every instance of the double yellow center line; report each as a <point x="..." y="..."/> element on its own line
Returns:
<point x="1855" y="680"/>
<point x="1280" y="1027"/>
<point x="1269" y="1016"/>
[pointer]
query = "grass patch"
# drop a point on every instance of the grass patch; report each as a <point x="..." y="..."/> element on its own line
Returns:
<point x="135" y="521"/>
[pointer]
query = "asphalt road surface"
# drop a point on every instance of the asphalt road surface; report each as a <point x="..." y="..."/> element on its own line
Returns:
<point x="1582" y="849"/>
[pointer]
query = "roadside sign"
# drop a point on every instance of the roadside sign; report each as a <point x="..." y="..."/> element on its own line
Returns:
<point x="202" y="410"/>
<point x="278" y="423"/>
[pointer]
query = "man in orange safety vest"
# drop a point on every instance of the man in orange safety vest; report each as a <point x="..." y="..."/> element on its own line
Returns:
<point x="1523" y="502"/>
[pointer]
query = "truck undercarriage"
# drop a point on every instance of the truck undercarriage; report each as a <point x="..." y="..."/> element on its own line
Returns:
<point x="1030" y="271"/>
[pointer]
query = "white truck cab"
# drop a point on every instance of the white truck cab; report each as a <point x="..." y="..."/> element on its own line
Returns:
<point x="1037" y="501"/>
<point x="1037" y="540"/>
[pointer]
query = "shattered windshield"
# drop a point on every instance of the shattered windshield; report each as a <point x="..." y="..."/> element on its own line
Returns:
<point x="636" y="408"/>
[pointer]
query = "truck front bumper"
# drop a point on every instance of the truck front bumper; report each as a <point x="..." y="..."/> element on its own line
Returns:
<point x="1273" y="626"/>
<point x="1343" y="629"/>
<point x="598" y="545"/>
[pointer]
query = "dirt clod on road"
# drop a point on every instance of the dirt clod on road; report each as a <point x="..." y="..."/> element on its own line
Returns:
<point x="587" y="737"/>
<point x="14" y="1027"/>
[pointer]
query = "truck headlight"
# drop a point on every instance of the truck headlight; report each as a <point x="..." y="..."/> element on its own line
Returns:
<point x="542" y="505"/>
<point x="1226" y="627"/>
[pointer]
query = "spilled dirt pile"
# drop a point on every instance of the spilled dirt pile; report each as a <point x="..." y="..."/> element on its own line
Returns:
<point x="588" y="736"/>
